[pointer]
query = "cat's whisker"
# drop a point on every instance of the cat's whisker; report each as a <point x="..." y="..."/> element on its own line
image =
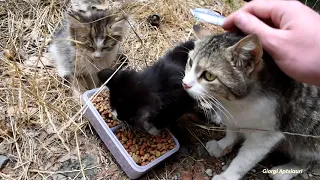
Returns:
<point x="205" y="110"/>
<point x="217" y="106"/>
<point x="182" y="73"/>
<point x="214" y="111"/>
<point x="207" y="113"/>
<point x="218" y="103"/>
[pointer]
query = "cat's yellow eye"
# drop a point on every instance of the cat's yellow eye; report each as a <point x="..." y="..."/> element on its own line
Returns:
<point x="208" y="76"/>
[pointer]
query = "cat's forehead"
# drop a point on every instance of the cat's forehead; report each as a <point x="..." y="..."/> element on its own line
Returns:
<point x="217" y="43"/>
<point x="212" y="48"/>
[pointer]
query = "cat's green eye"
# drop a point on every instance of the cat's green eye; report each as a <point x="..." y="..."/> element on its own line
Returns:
<point x="208" y="76"/>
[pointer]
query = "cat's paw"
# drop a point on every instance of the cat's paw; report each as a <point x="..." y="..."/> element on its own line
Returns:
<point x="214" y="149"/>
<point x="281" y="172"/>
<point x="151" y="129"/>
<point x="284" y="176"/>
<point x="219" y="177"/>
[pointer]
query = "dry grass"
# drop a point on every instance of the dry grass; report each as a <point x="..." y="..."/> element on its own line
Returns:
<point x="42" y="129"/>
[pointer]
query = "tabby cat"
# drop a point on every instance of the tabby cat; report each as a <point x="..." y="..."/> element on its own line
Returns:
<point x="257" y="102"/>
<point x="85" y="44"/>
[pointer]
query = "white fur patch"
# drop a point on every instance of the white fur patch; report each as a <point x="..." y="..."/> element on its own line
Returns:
<point x="282" y="175"/>
<point x="190" y="79"/>
<point x="63" y="66"/>
<point x="100" y="43"/>
<point x="98" y="52"/>
<point x="256" y="146"/>
<point x="256" y="112"/>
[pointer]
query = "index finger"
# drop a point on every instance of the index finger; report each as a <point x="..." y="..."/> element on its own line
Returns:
<point x="262" y="9"/>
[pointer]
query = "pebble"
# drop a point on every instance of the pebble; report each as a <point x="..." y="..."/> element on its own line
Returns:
<point x="3" y="161"/>
<point x="304" y="175"/>
<point x="209" y="172"/>
<point x="253" y="170"/>
<point x="223" y="163"/>
<point x="310" y="175"/>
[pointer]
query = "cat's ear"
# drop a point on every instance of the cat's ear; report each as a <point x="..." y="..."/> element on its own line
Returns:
<point x="76" y="24"/>
<point x="247" y="53"/>
<point x="73" y="21"/>
<point x="200" y="31"/>
<point x="104" y="75"/>
<point x="120" y="27"/>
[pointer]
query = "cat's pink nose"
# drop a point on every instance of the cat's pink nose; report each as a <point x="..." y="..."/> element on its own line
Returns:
<point x="185" y="86"/>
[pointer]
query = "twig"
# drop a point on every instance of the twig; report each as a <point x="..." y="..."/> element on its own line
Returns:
<point x="79" y="154"/>
<point x="55" y="129"/>
<point x="134" y="31"/>
<point x="60" y="172"/>
<point x="246" y="130"/>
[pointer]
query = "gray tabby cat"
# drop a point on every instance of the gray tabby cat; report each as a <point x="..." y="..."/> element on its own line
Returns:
<point x="87" y="42"/>
<point x="232" y="73"/>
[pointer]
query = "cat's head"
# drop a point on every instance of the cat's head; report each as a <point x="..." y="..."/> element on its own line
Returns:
<point x="96" y="32"/>
<point x="131" y="100"/>
<point x="222" y="66"/>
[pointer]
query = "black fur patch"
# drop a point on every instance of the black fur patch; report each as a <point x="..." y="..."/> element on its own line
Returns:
<point x="154" y="94"/>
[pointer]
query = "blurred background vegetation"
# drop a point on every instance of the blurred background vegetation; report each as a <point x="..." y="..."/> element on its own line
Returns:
<point x="314" y="4"/>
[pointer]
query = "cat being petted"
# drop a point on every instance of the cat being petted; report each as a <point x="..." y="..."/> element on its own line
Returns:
<point x="257" y="102"/>
<point x="85" y="44"/>
<point x="154" y="97"/>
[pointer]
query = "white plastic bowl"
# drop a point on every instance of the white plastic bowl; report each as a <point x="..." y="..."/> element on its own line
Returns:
<point x="107" y="135"/>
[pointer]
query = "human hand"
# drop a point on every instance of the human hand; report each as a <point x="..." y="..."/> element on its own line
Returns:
<point x="288" y="30"/>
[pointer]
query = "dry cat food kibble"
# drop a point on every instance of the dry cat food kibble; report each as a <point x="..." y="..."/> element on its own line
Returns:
<point x="143" y="147"/>
<point x="101" y="103"/>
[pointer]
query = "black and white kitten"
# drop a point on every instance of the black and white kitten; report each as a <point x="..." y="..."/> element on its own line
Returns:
<point x="154" y="97"/>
